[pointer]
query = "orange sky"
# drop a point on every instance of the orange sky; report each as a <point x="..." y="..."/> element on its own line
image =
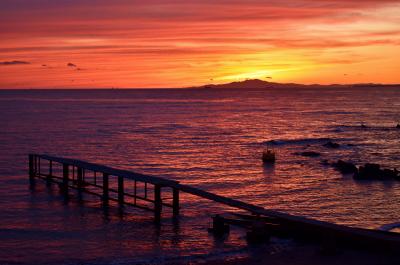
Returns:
<point x="155" y="43"/>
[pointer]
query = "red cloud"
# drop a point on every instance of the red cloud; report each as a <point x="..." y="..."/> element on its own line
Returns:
<point x="189" y="32"/>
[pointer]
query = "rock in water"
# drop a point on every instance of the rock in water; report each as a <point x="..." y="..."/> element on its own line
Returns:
<point x="268" y="156"/>
<point x="345" y="167"/>
<point x="374" y="172"/>
<point x="390" y="174"/>
<point x="368" y="171"/>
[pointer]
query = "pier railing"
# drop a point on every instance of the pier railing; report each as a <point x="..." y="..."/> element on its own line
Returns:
<point x="145" y="192"/>
<point x="97" y="180"/>
<point x="110" y="184"/>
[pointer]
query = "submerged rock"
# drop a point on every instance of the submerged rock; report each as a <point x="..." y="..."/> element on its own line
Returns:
<point x="345" y="167"/>
<point x="332" y="145"/>
<point x="398" y="126"/>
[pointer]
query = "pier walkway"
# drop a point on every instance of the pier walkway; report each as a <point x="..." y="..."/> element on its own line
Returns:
<point x="146" y="192"/>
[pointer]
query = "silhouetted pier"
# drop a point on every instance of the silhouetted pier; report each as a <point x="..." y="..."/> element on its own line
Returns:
<point x="146" y="192"/>
<point x="108" y="183"/>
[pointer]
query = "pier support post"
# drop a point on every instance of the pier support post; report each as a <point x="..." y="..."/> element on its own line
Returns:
<point x="120" y="190"/>
<point x="175" y="202"/>
<point x="50" y="175"/>
<point x="157" y="203"/>
<point x="38" y="167"/>
<point x="31" y="168"/>
<point x="65" y="178"/>
<point x="134" y="193"/>
<point x="79" y="176"/>
<point x="105" y="188"/>
<point x="35" y="164"/>
<point x="219" y="227"/>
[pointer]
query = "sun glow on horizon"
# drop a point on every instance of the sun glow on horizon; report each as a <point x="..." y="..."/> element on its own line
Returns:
<point x="186" y="43"/>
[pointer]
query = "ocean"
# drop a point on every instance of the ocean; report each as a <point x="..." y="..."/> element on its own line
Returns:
<point x="208" y="138"/>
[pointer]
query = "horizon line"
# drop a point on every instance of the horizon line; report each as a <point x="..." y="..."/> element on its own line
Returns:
<point x="204" y="86"/>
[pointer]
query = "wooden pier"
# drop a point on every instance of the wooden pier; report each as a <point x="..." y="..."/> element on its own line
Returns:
<point x="110" y="184"/>
<point x="146" y="192"/>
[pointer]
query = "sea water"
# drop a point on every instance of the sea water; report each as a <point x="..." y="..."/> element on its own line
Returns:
<point x="211" y="139"/>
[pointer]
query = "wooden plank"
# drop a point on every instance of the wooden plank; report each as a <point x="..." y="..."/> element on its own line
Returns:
<point x="142" y="207"/>
<point x="298" y="224"/>
<point x="111" y="171"/>
<point x="106" y="190"/>
<point x="307" y="226"/>
<point x="221" y="199"/>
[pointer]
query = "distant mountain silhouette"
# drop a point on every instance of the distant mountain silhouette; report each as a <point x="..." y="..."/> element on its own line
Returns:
<point x="259" y="84"/>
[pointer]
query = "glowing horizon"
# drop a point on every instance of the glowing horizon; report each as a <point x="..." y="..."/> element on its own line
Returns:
<point x="128" y="44"/>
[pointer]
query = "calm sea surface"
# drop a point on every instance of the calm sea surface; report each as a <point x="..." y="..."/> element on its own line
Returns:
<point x="211" y="139"/>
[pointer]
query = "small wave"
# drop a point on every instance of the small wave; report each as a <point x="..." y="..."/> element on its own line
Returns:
<point x="328" y="112"/>
<point x="186" y="259"/>
<point x="145" y="129"/>
<point x="300" y="141"/>
<point x="337" y="130"/>
<point x="39" y="234"/>
<point x="367" y="127"/>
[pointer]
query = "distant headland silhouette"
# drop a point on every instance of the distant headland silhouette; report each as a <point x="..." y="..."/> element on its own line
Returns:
<point x="259" y="84"/>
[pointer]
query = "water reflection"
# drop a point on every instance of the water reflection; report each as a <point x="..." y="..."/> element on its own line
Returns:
<point x="209" y="139"/>
<point x="269" y="169"/>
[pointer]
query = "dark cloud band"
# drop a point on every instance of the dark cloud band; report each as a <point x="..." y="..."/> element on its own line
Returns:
<point x="14" y="63"/>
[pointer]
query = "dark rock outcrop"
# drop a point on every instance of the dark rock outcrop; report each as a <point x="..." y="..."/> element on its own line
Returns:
<point x="368" y="171"/>
<point x="390" y="174"/>
<point x="345" y="167"/>
<point x="374" y="172"/>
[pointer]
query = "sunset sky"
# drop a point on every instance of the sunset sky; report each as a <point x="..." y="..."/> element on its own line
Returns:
<point x="155" y="43"/>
